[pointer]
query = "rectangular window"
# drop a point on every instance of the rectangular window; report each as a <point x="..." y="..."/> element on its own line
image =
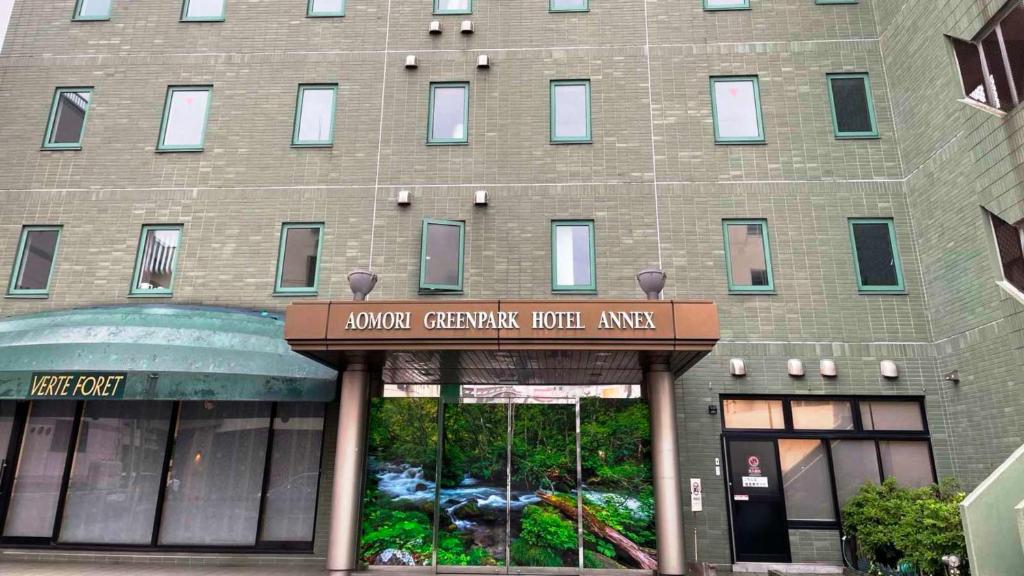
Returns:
<point x="573" y="260"/>
<point x="807" y="480"/>
<point x="314" y="115"/>
<point x="449" y="113"/>
<point x="33" y="266"/>
<point x="876" y="256"/>
<point x="453" y="6"/>
<point x="855" y="463"/>
<point x="441" y="255"/>
<point x="289" y="506"/>
<point x="853" y="112"/>
<point x="726" y="4"/>
<point x="908" y="461"/>
<point x="822" y="414"/>
<point x="1012" y="29"/>
<point x="748" y="258"/>
<point x="1000" y="86"/>
<point x="1010" y="245"/>
<point x="214" y="487"/>
<point x="736" y="110"/>
<point x="156" y="260"/>
<point x="298" y="260"/>
<point x="992" y="67"/>
<point x="184" y="123"/>
<point x="972" y="75"/>
<point x="115" y="479"/>
<point x="66" y="122"/>
<point x="92" y="9"/>
<point x="325" y="8"/>
<point x="753" y="414"/>
<point x="570" y="111"/>
<point x="569" y="5"/>
<point x="203" y="10"/>
<point x="891" y="415"/>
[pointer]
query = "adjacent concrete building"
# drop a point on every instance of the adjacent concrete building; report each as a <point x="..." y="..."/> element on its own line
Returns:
<point x="834" y="189"/>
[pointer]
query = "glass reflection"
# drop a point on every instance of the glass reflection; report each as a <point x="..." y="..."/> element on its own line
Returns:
<point x="316" y="119"/>
<point x="159" y="253"/>
<point x="69" y="117"/>
<point x="205" y="9"/>
<point x="444" y="245"/>
<point x="37" y="259"/>
<point x="570" y="111"/>
<point x="747" y="261"/>
<point x="289" y="507"/>
<point x="448" y="117"/>
<point x="736" y="109"/>
<point x="572" y="256"/>
<point x="806" y="479"/>
<point x="301" y="248"/>
<point x="186" y="117"/>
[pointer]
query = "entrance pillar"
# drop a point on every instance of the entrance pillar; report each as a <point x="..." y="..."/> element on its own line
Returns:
<point x="668" y="504"/>
<point x="349" y="466"/>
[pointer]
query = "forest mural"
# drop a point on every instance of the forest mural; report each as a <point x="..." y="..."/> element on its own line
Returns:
<point x="484" y="517"/>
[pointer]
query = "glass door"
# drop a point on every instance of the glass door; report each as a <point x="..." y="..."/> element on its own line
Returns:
<point x="11" y="417"/>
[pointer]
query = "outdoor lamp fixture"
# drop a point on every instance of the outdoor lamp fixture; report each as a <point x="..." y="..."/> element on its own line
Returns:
<point x="652" y="282"/>
<point x="410" y="61"/>
<point x="362" y="283"/>
<point x="737" y="367"/>
<point x="483" y="61"/>
<point x="435" y="27"/>
<point x="404" y="198"/>
<point x="480" y="198"/>
<point x="889" y="369"/>
<point x="795" y="367"/>
<point x="828" y="368"/>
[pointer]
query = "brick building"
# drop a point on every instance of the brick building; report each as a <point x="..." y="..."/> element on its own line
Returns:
<point x="834" y="187"/>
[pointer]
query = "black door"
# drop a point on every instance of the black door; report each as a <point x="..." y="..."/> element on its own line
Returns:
<point x="758" y="509"/>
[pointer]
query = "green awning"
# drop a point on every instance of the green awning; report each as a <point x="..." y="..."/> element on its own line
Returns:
<point x="163" y="352"/>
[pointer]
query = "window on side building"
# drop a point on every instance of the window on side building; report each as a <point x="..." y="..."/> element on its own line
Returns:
<point x="441" y="255"/>
<point x="203" y="10"/>
<point x="853" y="112"/>
<point x="183" y="127"/>
<point x="569" y="5"/>
<point x="33" y="266"/>
<point x="1010" y="246"/>
<point x="92" y="9"/>
<point x="314" y="115"/>
<point x="66" y="123"/>
<point x="156" y="260"/>
<point x="572" y="256"/>
<point x="748" y="256"/>
<point x="992" y="65"/>
<point x="325" y="8"/>
<point x="726" y="4"/>
<point x="449" y="113"/>
<point x="453" y="6"/>
<point x="736" y="110"/>
<point x="570" y="111"/>
<point x="298" y="261"/>
<point x="875" y="255"/>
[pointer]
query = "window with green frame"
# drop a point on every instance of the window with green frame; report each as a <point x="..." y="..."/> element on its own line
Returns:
<point x="748" y="256"/>
<point x="314" y="115"/>
<point x="570" y="111"/>
<point x="325" y="8"/>
<point x="453" y="6"/>
<point x="298" y="259"/>
<point x="727" y="4"/>
<point x="183" y="127"/>
<point x="36" y="257"/>
<point x="568" y="5"/>
<point x="853" y="111"/>
<point x="203" y="10"/>
<point x="448" y="116"/>
<point x="573" y="260"/>
<point x="876" y="257"/>
<point x="736" y="110"/>
<point x="441" y="255"/>
<point x="835" y="1"/>
<point x="92" y="9"/>
<point x="66" y="122"/>
<point x="156" y="260"/>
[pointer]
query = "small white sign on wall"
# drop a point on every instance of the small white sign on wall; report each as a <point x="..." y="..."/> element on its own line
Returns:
<point x="696" y="495"/>
<point x="755" y="481"/>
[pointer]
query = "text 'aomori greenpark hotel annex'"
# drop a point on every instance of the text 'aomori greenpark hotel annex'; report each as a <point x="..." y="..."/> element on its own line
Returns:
<point x="502" y="287"/>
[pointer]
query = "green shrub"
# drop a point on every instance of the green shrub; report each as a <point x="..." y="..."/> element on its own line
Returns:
<point x="544" y="528"/>
<point x="911" y="526"/>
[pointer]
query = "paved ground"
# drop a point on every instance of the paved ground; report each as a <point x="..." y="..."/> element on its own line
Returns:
<point x="73" y="569"/>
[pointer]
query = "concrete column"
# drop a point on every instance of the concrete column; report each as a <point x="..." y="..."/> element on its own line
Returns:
<point x="349" y="466"/>
<point x="668" y="504"/>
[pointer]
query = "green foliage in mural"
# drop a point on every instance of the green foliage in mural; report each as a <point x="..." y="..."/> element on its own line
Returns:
<point x="404" y="431"/>
<point x="907" y="526"/>
<point x="474" y="443"/>
<point x="615" y="438"/>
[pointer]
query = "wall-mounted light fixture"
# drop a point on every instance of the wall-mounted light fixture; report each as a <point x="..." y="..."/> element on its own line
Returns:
<point x="737" y="367"/>
<point x="467" y="27"/>
<point x="404" y="198"/>
<point x="480" y="198"/>
<point x="483" y="61"/>
<point x="410" y="61"/>
<point x="889" y="369"/>
<point x="435" y="26"/>
<point x="795" y="367"/>
<point x="828" y="368"/>
<point x="953" y="377"/>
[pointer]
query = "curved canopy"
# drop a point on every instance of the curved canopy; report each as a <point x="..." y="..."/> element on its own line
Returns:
<point x="164" y="353"/>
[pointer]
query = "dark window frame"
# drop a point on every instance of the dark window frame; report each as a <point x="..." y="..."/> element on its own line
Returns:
<point x="990" y="30"/>
<point x="826" y="437"/>
<point x="53" y="541"/>
<point x="1005" y="282"/>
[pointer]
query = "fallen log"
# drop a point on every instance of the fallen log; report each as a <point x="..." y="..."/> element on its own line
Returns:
<point x="643" y="559"/>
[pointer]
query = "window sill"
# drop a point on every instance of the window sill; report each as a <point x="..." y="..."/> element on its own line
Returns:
<point x="60" y="148"/>
<point x="461" y="143"/>
<point x="94" y="19"/>
<point x="569" y="11"/>
<point x="575" y="291"/>
<point x="460" y="13"/>
<point x="278" y="294"/>
<point x="858" y="137"/>
<point x="739" y="142"/>
<point x="561" y="142"/>
<point x="983" y="107"/>
<point x="173" y="150"/>
<point x="737" y="292"/>
<point x="725" y="8"/>
<point x="201" y="20"/>
<point x="150" y="295"/>
<point x="325" y="15"/>
<point x="1011" y="290"/>
<point x="431" y="292"/>
<point x="324" y="145"/>
<point x="27" y="296"/>
<point x="883" y="292"/>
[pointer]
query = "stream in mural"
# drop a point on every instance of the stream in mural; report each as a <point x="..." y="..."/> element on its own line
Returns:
<point x="487" y="519"/>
